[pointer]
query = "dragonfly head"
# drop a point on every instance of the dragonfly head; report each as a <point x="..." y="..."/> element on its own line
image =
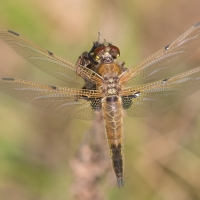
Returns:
<point x="106" y="53"/>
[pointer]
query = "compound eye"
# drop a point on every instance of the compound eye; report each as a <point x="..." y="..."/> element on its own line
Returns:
<point x="115" y="51"/>
<point x="98" y="52"/>
<point x="106" y="48"/>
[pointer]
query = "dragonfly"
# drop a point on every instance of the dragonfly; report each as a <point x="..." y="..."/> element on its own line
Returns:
<point x="103" y="85"/>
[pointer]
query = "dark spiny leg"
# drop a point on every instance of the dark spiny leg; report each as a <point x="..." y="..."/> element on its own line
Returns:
<point x="83" y="59"/>
<point x="121" y="64"/>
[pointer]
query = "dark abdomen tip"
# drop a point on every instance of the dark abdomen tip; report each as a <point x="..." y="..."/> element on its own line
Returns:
<point x="120" y="182"/>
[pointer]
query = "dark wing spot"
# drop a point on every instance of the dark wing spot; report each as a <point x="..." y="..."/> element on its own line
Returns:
<point x="50" y="53"/>
<point x="127" y="100"/>
<point x="96" y="104"/>
<point x="12" y="32"/>
<point x="165" y="80"/>
<point x="196" y="25"/>
<point x="167" y="47"/>
<point x="8" y="79"/>
<point x="53" y="87"/>
<point x="137" y="94"/>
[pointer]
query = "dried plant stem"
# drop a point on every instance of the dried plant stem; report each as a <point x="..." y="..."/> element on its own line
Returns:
<point x="91" y="164"/>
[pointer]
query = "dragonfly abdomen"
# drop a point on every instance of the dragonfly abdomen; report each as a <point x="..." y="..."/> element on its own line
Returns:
<point x="112" y="113"/>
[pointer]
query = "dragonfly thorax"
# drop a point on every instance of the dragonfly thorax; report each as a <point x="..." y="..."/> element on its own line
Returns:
<point x="109" y="69"/>
<point x="110" y="85"/>
<point x="110" y="75"/>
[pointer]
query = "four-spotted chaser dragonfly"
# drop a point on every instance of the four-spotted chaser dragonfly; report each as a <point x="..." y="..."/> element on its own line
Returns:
<point x="106" y="86"/>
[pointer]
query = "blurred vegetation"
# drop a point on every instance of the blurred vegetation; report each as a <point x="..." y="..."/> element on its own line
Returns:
<point x="162" y="153"/>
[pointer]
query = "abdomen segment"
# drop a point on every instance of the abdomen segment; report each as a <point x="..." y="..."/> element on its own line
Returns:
<point x="112" y="113"/>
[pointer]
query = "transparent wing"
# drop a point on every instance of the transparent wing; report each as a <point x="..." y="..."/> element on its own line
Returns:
<point x="159" y="96"/>
<point x="61" y="101"/>
<point x="164" y="59"/>
<point x="46" y="60"/>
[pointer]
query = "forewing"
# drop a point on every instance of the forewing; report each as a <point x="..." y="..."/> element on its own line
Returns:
<point x="164" y="59"/>
<point x="48" y="61"/>
<point x="61" y="101"/>
<point x="159" y="96"/>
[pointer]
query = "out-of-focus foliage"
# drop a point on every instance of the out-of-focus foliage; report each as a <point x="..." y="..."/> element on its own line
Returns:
<point x="162" y="153"/>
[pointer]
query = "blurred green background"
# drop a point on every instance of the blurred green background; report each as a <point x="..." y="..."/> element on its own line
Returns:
<point x="162" y="153"/>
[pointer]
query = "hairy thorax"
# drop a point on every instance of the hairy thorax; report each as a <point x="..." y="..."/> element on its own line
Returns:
<point x="110" y="73"/>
